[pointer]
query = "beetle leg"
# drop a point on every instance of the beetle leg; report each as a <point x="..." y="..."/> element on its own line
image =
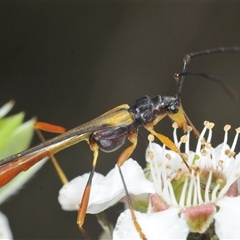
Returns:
<point x="47" y="127"/>
<point x="168" y="142"/>
<point x="85" y="198"/>
<point x="123" y="158"/>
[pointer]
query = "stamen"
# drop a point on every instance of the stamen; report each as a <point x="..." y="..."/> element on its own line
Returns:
<point x="203" y="152"/>
<point x="210" y="125"/>
<point x="235" y="139"/>
<point x="168" y="156"/>
<point x="165" y="191"/>
<point x="179" y="172"/>
<point x="150" y="154"/>
<point x="200" y="201"/>
<point x="220" y="164"/>
<point x="172" y="195"/>
<point x="204" y="163"/>
<point x="150" y="138"/>
<point x="175" y="125"/>
<point x="195" y="190"/>
<point x="214" y="162"/>
<point x="207" y="188"/>
<point x="190" y="193"/>
<point x="189" y="129"/>
<point x="214" y="192"/>
<point x="159" y="182"/>
<point x="187" y="148"/>
<point x="183" y="193"/>
<point x="199" y="143"/>
<point x="208" y="145"/>
<point x="184" y="139"/>
<point x="229" y="153"/>
<point x="152" y="163"/>
<point x="175" y="138"/>
<point x="226" y="129"/>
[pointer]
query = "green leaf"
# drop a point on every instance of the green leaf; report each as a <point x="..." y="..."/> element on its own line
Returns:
<point x="7" y="127"/>
<point x="18" y="139"/>
<point x="15" y="136"/>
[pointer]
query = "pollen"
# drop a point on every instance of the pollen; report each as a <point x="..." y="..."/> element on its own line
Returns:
<point x="208" y="145"/>
<point x="220" y="163"/>
<point x="198" y="170"/>
<point x="205" y="123"/>
<point x="220" y="181"/>
<point x="175" y="125"/>
<point x="210" y="125"/>
<point x="203" y="141"/>
<point x="230" y="153"/>
<point x="203" y="152"/>
<point x="168" y="166"/>
<point x="180" y="171"/>
<point x="227" y="127"/>
<point x="168" y="156"/>
<point x="177" y="176"/>
<point x="150" y="154"/>
<point x="150" y="138"/>
<point x="189" y="129"/>
<point x="184" y="139"/>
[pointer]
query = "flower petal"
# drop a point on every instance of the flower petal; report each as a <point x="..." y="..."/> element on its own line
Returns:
<point x="5" y="232"/>
<point x="227" y="219"/>
<point x="159" y="225"/>
<point x="6" y="108"/>
<point x="70" y="194"/>
<point x="105" y="191"/>
<point x="111" y="190"/>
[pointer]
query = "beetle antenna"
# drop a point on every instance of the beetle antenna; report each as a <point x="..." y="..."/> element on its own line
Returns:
<point x="179" y="77"/>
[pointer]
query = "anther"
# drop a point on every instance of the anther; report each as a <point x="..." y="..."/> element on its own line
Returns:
<point x="203" y="141"/>
<point x="150" y="138"/>
<point x="184" y="139"/>
<point x="203" y="152"/>
<point x="219" y="181"/>
<point x="227" y="127"/>
<point x="189" y="129"/>
<point x="205" y="123"/>
<point x="220" y="163"/>
<point x="175" y="125"/>
<point x="210" y="125"/>
<point x="229" y="153"/>
<point x="168" y="156"/>
<point x="150" y="154"/>
<point x="208" y="145"/>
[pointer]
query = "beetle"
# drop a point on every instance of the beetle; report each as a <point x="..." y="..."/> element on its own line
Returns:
<point x="109" y="132"/>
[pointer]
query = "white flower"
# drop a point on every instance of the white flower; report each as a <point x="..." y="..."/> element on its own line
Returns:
<point x="15" y="136"/>
<point x="105" y="191"/>
<point x="190" y="192"/>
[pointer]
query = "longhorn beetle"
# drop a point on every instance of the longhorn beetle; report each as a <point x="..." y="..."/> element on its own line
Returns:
<point x="109" y="131"/>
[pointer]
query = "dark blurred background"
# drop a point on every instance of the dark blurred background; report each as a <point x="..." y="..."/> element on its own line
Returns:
<point x="68" y="62"/>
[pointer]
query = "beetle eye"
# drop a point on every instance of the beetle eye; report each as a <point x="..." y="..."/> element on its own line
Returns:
<point x="173" y="108"/>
